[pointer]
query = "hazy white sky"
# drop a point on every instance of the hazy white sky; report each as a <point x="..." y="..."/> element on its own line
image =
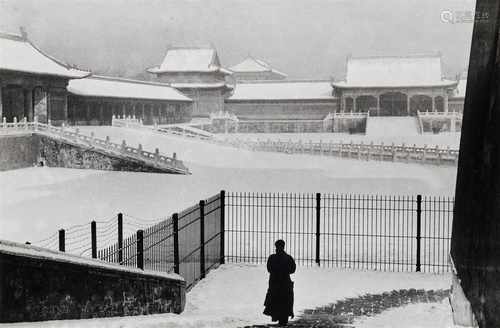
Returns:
<point x="304" y="38"/>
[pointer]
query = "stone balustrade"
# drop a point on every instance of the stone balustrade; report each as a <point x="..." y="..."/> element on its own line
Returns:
<point x="361" y="151"/>
<point x="74" y="135"/>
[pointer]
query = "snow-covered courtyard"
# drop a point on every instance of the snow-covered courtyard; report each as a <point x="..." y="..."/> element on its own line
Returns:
<point x="35" y="202"/>
<point x="233" y="294"/>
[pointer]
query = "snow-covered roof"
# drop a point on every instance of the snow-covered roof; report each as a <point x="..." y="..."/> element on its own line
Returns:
<point x="408" y="71"/>
<point x="102" y="86"/>
<point x="189" y="60"/>
<point x="283" y="90"/>
<point x="9" y="247"/>
<point x="17" y="53"/>
<point x="251" y="64"/>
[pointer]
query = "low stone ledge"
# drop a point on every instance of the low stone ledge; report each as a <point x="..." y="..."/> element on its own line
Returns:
<point x="38" y="284"/>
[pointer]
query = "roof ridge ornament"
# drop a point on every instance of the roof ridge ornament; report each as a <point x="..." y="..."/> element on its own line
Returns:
<point x="24" y="34"/>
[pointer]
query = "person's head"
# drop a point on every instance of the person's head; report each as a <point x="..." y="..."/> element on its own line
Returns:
<point x="280" y="245"/>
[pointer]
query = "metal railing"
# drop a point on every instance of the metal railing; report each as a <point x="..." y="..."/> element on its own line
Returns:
<point x="373" y="232"/>
<point x="389" y="233"/>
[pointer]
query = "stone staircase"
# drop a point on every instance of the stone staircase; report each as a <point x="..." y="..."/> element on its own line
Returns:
<point x="342" y="314"/>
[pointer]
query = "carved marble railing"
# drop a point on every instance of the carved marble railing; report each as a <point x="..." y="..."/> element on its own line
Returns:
<point x="174" y="129"/>
<point x="73" y="135"/>
<point x="361" y="151"/>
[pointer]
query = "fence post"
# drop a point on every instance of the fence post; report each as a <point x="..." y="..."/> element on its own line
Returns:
<point x="175" y="221"/>
<point x="222" y="225"/>
<point x="93" y="237"/>
<point x="318" y="227"/>
<point x="140" y="249"/>
<point x="419" y="232"/>
<point x="120" y="238"/>
<point x="202" y="239"/>
<point x="62" y="244"/>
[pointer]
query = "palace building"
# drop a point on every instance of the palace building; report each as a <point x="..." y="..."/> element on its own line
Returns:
<point x="252" y="69"/>
<point x="394" y="86"/>
<point x="94" y="100"/>
<point x="282" y="100"/>
<point x="198" y="74"/>
<point x="33" y="84"/>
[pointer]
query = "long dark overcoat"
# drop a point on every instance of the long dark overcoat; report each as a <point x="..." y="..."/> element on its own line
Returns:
<point x="279" y="297"/>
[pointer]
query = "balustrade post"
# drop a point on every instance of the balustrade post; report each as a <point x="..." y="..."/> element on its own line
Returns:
<point x="222" y="226"/>
<point x="140" y="249"/>
<point x="202" y="239"/>
<point x="93" y="237"/>
<point x="120" y="238"/>
<point x="62" y="241"/>
<point x="175" y="221"/>
<point x="419" y="233"/>
<point x="318" y="227"/>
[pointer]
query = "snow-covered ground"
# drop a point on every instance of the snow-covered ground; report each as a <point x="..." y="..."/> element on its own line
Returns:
<point x="232" y="296"/>
<point x="35" y="202"/>
<point x="411" y="316"/>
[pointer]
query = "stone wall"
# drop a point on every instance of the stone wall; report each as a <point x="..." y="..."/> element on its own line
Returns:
<point x="440" y="124"/>
<point x="20" y="151"/>
<point x="17" y="151"/>
<point x="281" y="110"/>
<point x="37" y="284"/>
<point x="349" y="124"/>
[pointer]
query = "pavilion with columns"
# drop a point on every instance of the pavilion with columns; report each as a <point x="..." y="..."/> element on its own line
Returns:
<point x="32" y="84"/>
<point x="94" y="100"/>
<point x="394" y="86"/>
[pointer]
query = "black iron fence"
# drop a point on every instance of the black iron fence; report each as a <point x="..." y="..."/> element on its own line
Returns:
<point x="391" y="233"/>
<point x="189" y="243"/>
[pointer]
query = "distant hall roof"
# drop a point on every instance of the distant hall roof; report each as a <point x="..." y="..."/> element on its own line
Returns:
<point x="189" y="60"/>
<point x="102" y="86"/>
<point x="251" y="64"/>
<point x="283" y="90"/>
<point x="17" y="53"/>
<point x="408" y="71"/>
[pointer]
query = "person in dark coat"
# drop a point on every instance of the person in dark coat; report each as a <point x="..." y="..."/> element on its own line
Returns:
<point x="279" y="297"/>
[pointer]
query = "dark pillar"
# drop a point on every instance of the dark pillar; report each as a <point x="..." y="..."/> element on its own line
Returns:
<point x="475" y="246"/>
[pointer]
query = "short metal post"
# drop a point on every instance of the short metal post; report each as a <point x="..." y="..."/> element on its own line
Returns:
<point x="202" y="239"/>
<point x="93" y="237"/>
<point x="140" y="249"/>
<point x="419" y="232"/>
<point x="120" y="238"/>
<point x="318" y="226"/>
<point x="175" y="221"/>
<point x="222" y="225"/>
<point x="62" y="245"/>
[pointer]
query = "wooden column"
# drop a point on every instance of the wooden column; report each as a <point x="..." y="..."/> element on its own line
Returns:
<point x="475" y="246"/>
<point x="445" y="102"/>
<point x="408" y="104"/>
<point x="378" y="104"/>
<point x="87" y="113"/>
<point x="1" y="102"/>
<point x="28" y="104"/>
<point x="101" y="113"/>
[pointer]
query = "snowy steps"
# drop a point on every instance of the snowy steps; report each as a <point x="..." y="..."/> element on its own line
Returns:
<point x="392" y="126"/>
<point x="343" y="313"/>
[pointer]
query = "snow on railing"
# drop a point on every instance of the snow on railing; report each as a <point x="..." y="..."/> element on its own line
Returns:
<point x="450" y="115"/>
<point x="361" y="151"/>
<point x="177" y="130"/>
<point x="156" y="159"/>
<point x="350" y="114"/>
